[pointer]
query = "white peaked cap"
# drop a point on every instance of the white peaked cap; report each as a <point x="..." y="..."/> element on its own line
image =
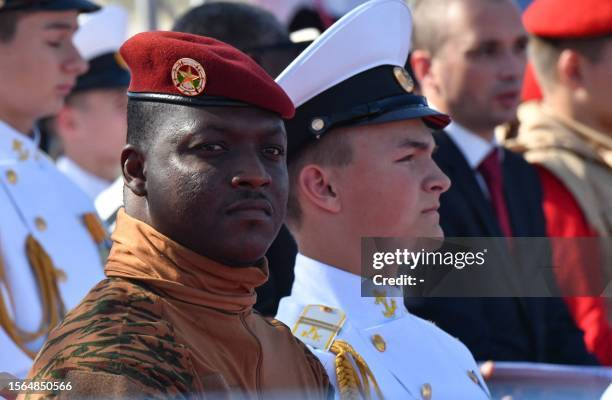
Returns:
<point x="101" y="32"/>
<point x="375" y="33"/>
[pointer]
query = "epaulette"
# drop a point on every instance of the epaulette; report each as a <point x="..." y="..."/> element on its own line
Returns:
<point x="319" y="325"/>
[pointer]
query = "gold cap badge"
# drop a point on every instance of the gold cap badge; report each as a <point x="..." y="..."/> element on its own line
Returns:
<point x="404" y="79"/>
<point x="188" y="77"/>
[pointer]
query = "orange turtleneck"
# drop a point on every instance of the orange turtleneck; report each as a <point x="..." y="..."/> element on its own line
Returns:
<point x="168" y="322"/>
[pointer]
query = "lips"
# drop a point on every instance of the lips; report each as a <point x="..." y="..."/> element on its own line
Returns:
<point x="252" y="207"/>
<point x="508" y="99"/>
<point x="431" y="209"/>
<point x="64" y="89"/>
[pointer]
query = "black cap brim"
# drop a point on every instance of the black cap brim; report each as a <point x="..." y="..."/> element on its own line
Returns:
<point x="83" y="6"/>
<point x="432" y="118"/>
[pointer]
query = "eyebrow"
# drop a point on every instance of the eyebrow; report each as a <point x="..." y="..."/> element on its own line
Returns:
<point x="61" y="26"/>
<point x="222" y="129"/>
<point x="416" y="144"/>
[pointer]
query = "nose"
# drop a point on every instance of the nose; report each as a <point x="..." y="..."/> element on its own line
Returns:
<point x="74" y="63"/>
<point x="512" y="66"/>
<point x="437" y="182"/>
<point x="251" y="174"/>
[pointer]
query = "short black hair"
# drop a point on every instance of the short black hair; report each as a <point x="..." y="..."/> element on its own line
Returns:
<point x="243" y="26"/>
<point x="8" y="24"/>
<point x="144" y="118"/>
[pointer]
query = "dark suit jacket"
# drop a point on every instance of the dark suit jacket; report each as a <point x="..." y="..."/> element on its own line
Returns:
<point x="511" y="329"/>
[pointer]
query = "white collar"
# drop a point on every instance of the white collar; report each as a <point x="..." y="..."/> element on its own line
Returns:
<point x="319" y="283"/>
<point x="89" y="183"/>
<point x="473" y="147"/>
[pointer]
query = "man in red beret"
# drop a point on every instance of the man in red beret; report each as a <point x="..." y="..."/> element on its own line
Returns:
<point x="205" y="194"/>
<point x="568" y="136"/>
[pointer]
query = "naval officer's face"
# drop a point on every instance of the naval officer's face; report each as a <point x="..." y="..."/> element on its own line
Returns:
<point x="392" y="187"/>
<point x="39" y="65"/>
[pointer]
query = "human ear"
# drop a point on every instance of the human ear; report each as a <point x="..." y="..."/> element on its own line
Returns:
<point x="315" y="185"/>
<point x="570" y="69"/>
<point x="420" y="61"/>
<point x="133" y="166"/>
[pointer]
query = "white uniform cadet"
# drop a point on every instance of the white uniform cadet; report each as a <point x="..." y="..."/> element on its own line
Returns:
<point x="354" y="74"/>
<point x="98" y="39"/>
<point x="410" y="358"/>
<point x="38" y="202"/>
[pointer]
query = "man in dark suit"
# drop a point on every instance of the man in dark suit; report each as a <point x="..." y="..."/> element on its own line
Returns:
<point x="469" y="56"/>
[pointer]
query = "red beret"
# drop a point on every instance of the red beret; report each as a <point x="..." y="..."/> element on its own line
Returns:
<point x="569" y="18"/>
<point x="195" y="70"/>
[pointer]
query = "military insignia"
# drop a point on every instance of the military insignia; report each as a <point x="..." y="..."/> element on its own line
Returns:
<point x="389" y="307"/>
<point x="120" y="61"/>
<point x="318" y="326"/>
<point x="22" y="153"/>
<point x="189" y="77"/>
<point x="11" y="176"/>
<point x="404" y="79"/>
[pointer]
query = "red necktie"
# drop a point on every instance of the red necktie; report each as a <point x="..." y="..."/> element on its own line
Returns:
<point x="491" y="171"/>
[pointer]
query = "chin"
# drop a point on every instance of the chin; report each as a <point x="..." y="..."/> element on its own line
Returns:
<point x="247" y="253"/>
<point x="434" y="232"/>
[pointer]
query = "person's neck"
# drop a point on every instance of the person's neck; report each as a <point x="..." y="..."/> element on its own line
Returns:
<point x="23" y="125"/>
<point x="484" y="133"/>
<point x="487" y="133"/>
<point x="100" y="168"/>
<point x="341" y="254"/>
<point x="566" y="109"/>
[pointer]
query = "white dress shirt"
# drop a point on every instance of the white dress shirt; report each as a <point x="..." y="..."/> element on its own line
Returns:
<point x="416" y="354"/>
<point x="474" y="148"/>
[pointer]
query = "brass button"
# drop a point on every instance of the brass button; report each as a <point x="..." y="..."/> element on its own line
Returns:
<point x="426" y="391"/>
<point x="40" y="223"/>
<point x="379" y="343"/>
<point x="317" y="124"/>
<point x="11" y="176"/>
<point x="327" y="309"/>
<point x="473" y="377"/>
<point x="17" y="145"/>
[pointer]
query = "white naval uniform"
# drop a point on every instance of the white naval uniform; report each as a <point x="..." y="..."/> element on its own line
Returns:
<point x="37" y="199"/>
<point x="91" y="184"/>
<point x="416" y="353"/>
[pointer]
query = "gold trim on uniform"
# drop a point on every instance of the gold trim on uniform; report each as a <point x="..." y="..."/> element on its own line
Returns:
<point x="22" y="153"/>
<point x="353" y="383"/>
<point x="379" y="342"/>
<point x="389" y="308"/>
<point x="319" y="325"/>
<point x="47" y="277"/>
<point x="40" y="223"/>
<point x="11" y="176"/>
<point x="426" y="391"/>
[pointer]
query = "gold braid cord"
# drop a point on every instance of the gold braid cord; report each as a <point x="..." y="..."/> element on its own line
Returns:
<point x="351" y="383"/>
<point x="53" y="307"/>
<point x="95" y="228"/>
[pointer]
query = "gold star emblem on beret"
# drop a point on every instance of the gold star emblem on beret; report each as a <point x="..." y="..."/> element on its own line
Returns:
<point x="188" y="76"/>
